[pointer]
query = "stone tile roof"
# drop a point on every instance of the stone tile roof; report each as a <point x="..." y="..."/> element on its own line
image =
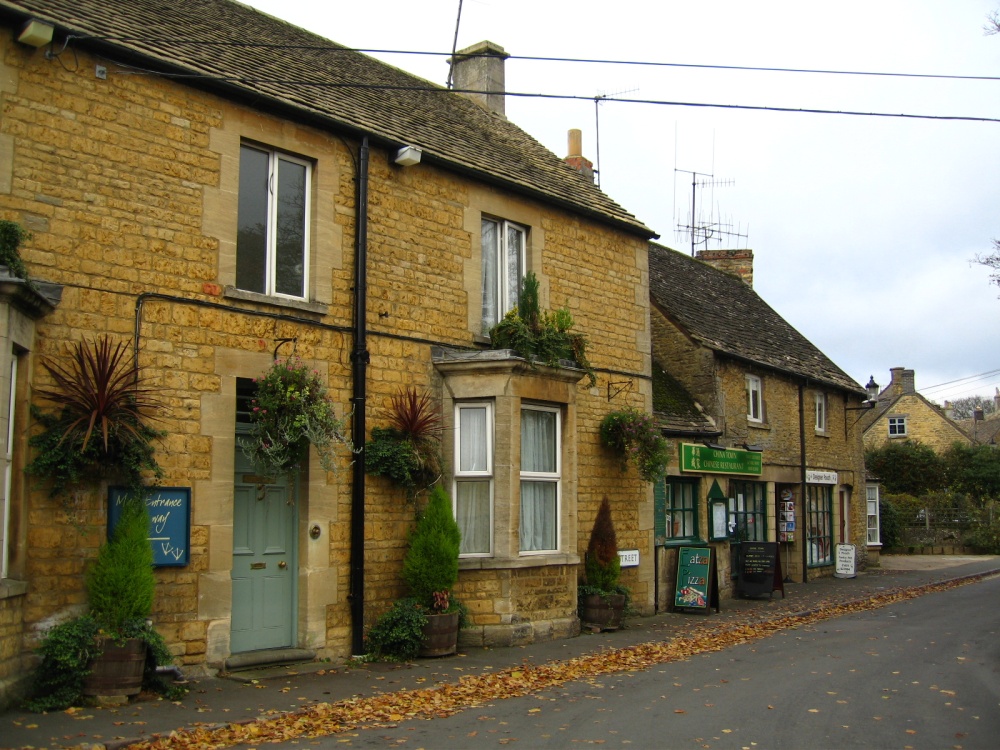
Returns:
<point x="721" y="312"/>
<point x="675" y="409"/>
<point x="293" y="68"/>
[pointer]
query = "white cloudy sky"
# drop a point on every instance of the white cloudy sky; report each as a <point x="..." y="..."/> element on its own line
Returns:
<point x="863" y="228"/>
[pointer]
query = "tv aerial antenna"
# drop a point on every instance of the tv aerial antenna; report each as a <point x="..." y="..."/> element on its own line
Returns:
<point x="600" y="97"/>
<point x="703" y="230"/>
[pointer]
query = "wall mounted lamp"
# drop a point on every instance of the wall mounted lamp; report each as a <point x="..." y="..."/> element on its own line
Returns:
<point x="36" y="33"/>
<point x="872" y="390"/>
<point x="407" y="156"/>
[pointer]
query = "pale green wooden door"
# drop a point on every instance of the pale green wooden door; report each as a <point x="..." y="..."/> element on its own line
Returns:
<point x="264" y="561"/>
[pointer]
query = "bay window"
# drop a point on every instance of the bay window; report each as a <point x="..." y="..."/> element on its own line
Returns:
<point x="540" y="475"/>
<point x="474" y="476"/>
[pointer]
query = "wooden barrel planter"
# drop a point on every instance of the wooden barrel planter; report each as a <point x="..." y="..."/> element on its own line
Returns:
<point x="440" y="635"/>
<point x="600" y="612"/>
<point x="118" y="670"/>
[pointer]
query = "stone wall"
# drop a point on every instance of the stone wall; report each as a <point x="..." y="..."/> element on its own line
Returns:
<point x="128" y="186"/>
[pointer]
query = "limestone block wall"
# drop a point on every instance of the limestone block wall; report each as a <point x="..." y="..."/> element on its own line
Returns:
<point x="924" y="423"/>
<point x="129" y="187"/>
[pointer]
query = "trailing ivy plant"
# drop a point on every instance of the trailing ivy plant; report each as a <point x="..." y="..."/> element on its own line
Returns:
<point x="634" y="436"/>
<point x="100" y="426"/>
<point x="12" y="236"/>
<point x="408" y="452"/>
<point x="290" y="411"/>
<point x="541" y="335"/>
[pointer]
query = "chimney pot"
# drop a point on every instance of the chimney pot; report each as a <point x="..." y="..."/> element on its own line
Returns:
<point x="478" y="72"/>
<point x="576" y="159"/>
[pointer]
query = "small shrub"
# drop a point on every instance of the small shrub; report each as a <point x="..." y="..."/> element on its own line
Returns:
<point x="603" y="566"/>
<point x="890" y="525"/>
<point x="12" y="236"/>
<point x="121" y="584"/>
<point x="397" y="635"/>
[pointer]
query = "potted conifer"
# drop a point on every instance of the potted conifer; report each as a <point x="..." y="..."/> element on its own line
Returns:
<point x="427" y="622"/>
<point x="602" y="600"/>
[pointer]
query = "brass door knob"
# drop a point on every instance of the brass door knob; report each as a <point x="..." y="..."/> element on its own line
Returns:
<point x="282" y="565"/>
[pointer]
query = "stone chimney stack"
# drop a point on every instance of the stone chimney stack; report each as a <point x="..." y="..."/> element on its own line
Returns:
<point x="996" y="401"/>
<point x="903" y="381"/>
<point x="478" y="72"/>
<point x="576" y="159"/>
<point x="949" y="410"/>
<point x="735" y="262"/>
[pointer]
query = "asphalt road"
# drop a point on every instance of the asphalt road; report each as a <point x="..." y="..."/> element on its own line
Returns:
<point x="919" y="674"/>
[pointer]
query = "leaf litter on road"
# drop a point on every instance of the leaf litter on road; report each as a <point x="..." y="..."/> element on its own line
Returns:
<point x="446" y="699"/>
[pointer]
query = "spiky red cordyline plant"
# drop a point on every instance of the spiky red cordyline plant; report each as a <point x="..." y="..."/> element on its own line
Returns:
<point x="100" y="388"/>
<point x="414" y="416"/>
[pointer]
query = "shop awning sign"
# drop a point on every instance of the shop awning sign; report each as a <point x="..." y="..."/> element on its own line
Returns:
<point x="704" y="460"/>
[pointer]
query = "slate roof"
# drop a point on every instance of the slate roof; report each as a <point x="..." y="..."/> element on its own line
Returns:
<point x="675" y="409"/>
<point x="322" y="81"/>
<point x="719" y="311"/>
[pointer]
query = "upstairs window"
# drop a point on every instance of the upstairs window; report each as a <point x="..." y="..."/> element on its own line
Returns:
<point x="272" y="245"/>
<point x="820" y="412"/>
<point x="897" y="426"/>
<point x="503" y="246"/>
<point x="755" y="403"/>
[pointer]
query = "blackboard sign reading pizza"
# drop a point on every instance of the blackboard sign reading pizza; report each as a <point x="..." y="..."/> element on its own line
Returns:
<point x="169" y="521"/>
<point x="759" y="569"/>
<point x="696" y="580"/>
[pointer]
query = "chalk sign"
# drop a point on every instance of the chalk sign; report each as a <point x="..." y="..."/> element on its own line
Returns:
<point x="169" y="521"/>
<point x="697" y="589"/>
<point x="845" y="562"/>
<point x="759" y="569"/>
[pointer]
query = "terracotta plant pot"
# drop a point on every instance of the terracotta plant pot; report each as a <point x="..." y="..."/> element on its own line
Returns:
<point x="600" y="612"/>
<point x="440" y="635"/>
<point x="118" y="670"/>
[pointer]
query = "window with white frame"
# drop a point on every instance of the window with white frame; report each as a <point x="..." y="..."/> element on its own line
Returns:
<point x="897" y="426"/>
<point x="540" y="478"/>
<point x="820" y="401"/>
<point x="474" y="476"/>
<point x="272" y="243"/>
<point x="5" y="544"/>
<point x="503" y="245"/>
<point x="874" y="533"/>
<point x="755" y="401"/>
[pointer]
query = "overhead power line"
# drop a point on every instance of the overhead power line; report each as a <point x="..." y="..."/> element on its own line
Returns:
<point x="574" y="97"/>
<point x="543" y="58"/>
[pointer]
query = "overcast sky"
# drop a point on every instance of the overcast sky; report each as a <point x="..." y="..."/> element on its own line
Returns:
<point x="863" y="228"/>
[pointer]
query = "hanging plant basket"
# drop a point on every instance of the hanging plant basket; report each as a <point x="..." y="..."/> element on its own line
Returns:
<point x="634" y="436"/>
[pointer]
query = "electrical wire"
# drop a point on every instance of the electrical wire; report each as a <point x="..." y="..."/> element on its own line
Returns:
<point x="543" y="58"/>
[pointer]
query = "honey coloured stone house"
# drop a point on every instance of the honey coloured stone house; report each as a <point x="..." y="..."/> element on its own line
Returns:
<point x="217" y="205"/>
<point x="901" y="413"/>
<point x="764" y="427"/>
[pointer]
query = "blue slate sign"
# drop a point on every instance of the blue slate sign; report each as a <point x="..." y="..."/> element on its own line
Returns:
<point x="169" y="521"/>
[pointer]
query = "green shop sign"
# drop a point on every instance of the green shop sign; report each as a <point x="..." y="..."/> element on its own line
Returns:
<point x="701" y="458"/>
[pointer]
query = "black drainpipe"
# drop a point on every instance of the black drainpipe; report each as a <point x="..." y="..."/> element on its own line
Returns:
<point x="802" y="478"/>
<point x="359" y="359"/>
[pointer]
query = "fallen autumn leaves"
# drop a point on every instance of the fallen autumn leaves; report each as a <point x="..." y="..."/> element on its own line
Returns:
<point x="391" y="708"/>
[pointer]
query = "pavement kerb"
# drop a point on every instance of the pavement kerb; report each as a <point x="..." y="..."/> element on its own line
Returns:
<point x="59" y="730"/>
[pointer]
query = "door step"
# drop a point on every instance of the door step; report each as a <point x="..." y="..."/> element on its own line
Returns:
<point x="270" y="663"/>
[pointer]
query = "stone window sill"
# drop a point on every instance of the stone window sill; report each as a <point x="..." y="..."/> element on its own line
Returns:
<point x="232" y="292"/>
<point x="9" y="588"/>
<point x="508" y="563"/>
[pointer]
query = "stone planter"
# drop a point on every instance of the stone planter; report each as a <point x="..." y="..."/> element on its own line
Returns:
<point x="440" y="635"/>
<point x="118" y="670"/>
<point x="599" y="612"/>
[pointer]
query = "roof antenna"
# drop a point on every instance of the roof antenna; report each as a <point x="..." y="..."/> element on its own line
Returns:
<point x="710" y="229"/>
<point x="597" y="125"/>
<point x="454" y="48"/>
